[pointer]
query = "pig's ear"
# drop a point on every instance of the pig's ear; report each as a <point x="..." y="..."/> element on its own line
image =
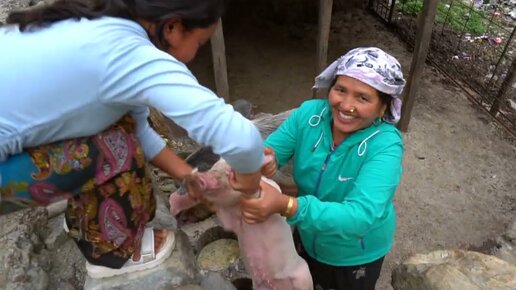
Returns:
<point x="199" y="184"/>
<point x="193" y="185"/>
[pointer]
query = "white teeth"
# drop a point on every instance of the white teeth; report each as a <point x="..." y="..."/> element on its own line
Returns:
<point x="345" y="117"/>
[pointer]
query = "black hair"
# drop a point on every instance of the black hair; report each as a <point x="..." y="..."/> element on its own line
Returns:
<point x="191" y="13"/>
<point x="386" y="100"/>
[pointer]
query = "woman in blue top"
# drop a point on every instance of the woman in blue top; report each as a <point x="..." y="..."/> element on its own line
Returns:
<point x="77" y="79"/>
<point x="347" y="164"/>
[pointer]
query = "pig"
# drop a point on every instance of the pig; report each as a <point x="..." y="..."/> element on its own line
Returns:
<point x="204" y="158"/>
<point x="267" y="248"/>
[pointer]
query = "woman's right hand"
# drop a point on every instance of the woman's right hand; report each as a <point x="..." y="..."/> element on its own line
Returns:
<point x="271" y="201"/>
<point x="269" y="168"/>
<point x="191" y="182"/>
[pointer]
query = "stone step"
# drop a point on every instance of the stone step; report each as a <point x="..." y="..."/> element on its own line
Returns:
<point x="178" y="270"/>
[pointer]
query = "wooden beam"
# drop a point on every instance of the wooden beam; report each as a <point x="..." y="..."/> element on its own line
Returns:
<point x="424" y="34"/>
<point x="220" y="70"/>
<point x="323" y="34"/>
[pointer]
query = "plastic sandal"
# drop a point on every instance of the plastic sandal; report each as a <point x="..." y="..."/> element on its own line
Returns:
<point x="148" y="259"/>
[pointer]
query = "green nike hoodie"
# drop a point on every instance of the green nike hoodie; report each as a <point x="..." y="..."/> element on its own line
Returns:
<point x="345" y="213"/>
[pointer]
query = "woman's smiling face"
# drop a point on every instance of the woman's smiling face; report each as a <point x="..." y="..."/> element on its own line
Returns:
<point x="354" y="105"/>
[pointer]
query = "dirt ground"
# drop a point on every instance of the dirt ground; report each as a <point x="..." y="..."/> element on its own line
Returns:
<point x="459" y="184"/>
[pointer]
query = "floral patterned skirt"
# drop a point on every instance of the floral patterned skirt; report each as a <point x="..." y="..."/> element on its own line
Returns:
<point x="109" y="192"/>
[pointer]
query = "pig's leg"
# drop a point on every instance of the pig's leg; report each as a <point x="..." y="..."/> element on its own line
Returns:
<point x="301" y="277"/>
<point x="230" y="218"/>
<point x="195" y="214"/>
<point x="276" y="284"/>
<point x="262" y="287"/>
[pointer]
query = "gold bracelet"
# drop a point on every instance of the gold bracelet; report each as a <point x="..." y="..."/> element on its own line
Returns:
<point x="290" y="204"/>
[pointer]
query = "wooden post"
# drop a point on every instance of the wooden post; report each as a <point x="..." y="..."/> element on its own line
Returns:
<point x="424" y="34"/>
<point x="325" y="7"/>
<point x="506" y="85"/>
<point x="370" y="4"/>
<point x="323" y="35"/>
<point x="220" y="70"/>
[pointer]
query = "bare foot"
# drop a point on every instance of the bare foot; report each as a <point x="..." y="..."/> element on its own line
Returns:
<point x="159" y="239"/>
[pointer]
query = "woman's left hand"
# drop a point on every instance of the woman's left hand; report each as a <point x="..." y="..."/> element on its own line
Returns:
<point x="257" y="210"/>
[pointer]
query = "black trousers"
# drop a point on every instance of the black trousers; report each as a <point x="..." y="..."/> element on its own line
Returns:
<point x="328" y="277"/>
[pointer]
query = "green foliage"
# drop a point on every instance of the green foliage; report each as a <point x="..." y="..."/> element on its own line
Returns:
<point x="457" y="15"/>
<point x="410" y="7"/>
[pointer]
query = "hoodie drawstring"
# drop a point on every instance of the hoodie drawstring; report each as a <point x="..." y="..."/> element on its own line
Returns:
<point x="315" y="120"/>
<point x="318" y="141"/>
<point x="362" y="148"/>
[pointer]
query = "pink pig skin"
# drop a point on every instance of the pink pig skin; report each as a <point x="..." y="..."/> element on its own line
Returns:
<point x="179" y="203"/>
<point x="267" y="248"/>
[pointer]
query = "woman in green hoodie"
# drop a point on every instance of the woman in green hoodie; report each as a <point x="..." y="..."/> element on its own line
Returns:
<point x="347" y="157"/>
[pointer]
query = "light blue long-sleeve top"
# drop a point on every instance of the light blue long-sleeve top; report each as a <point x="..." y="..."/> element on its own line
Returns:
<point x="76" y="78"/>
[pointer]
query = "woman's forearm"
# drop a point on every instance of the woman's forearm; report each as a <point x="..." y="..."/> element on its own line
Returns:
<point x="169" y="162"/>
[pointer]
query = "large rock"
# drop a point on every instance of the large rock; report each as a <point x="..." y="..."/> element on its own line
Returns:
<point x="68" y="264"/>
<point x="55" y="235"/>
<point x="189" y="287"/>
<point x="162" y="218"/>
<point x="215" y="281"/>
<point x="178" y="270"/>
<point x="506" y="245"/>
<point x="24" y="261"/>
<point x="68" y="267"/>
<point x="267" y="123"/>
<point x="453" y="270"/>
<point x="505" y="250"/>
<point x="8" y="5"/>
<point x="511" y="232"/>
